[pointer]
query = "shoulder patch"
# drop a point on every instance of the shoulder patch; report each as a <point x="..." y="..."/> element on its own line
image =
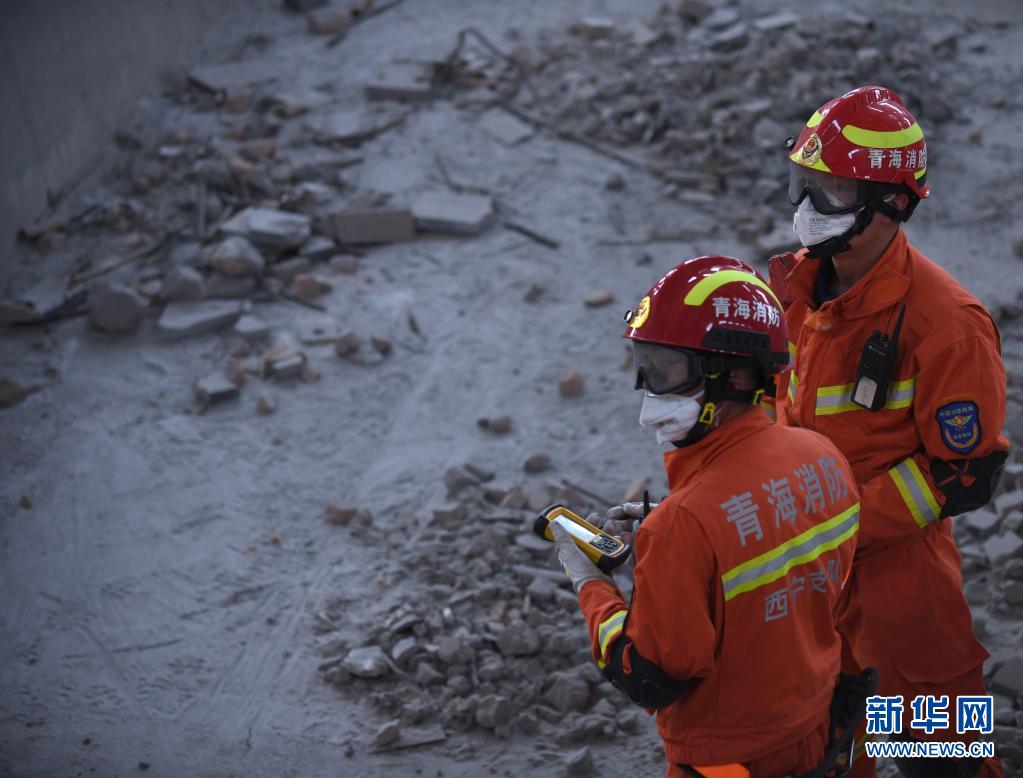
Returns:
<point x="959" y="423"/>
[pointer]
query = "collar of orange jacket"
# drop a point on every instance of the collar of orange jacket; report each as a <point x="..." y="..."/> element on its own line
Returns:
<point x="683" y="463"/>
<point x="881" y="287"/>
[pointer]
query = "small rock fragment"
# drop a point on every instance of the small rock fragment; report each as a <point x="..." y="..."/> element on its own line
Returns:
<point x="571" y="384"/>
<point x="265" y="406"/>
<point x="328" y="21"/>
<point x="458" y="478"/>
<point x="404" y="649"/>
<point x="597" y="299"/>
<point x="1008" y="679"/>
<point x="498" y="425"/>
<point x="451" y="213"/>
<point x="538" y="463"/>
<point x="215" y="388"/>
<point x="579" y="762"/>
<point x="261" y="148"/>
<point x="404" y="81"/>
<point x="567" y="692"/>
<point x="368" y="662"/>
<point x="454" y="651"/>
<point x="344" y="263"/>
<point x="180" y="319"/>
<point x="290" y="268"/>
<point x="285" y="365"/>
<point x="309" y="286"/>
<point x="182" y="283"/>
<point x="388" y="733"/>
<point x="518" y="638"/>
<point x="1000" y="548"/>
<point x="317" y="248"/>
<point x="345" y="516"/>
<point x="494" y="711"/>
<point x="427" y="675"/>
<point x="373" y="226"/>
<point x="235" y="256"/>
<point x="505" y="127"/>
<point x="251" y="327"/>
<point x="25" y="502"/>
<point x="347" y="344"/>
<point x="615" y="182"/>
<point x="116" y="308"/>
<point x="382" y="345"/>
<point x="223" y="287"/>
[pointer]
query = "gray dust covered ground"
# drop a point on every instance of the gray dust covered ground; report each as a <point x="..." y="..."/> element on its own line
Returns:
<point x="329" y="573"/>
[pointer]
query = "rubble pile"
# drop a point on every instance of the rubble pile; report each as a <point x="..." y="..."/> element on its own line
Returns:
<point x="493" y="638"/>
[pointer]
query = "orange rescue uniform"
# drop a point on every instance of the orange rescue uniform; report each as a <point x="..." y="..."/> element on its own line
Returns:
<point x="738" y="573"/>
<point x="906" y="612"/>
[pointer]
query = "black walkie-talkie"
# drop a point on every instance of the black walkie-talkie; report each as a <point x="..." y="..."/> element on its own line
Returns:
<point x="877" y="363"/>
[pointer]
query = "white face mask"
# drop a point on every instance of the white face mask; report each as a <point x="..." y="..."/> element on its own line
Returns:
<point x="670" y="415"/>
<point x="813" y="228"/>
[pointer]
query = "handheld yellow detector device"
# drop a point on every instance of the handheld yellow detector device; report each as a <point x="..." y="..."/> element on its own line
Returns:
<point x="605" y="551"/>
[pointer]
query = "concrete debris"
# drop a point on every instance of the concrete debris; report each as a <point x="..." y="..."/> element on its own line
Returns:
<point x="328" y="21"/>
<point x="1008" y="679"/>
<point x="318" y="332"/>
<point x="284" y="364"/>
<point x="1001" y="548"/>
<point x="504" y="127"/>
<point x="404" y="649"/>
<point x="721" y="18"/>
<point x="729" y="39"/>
<point x="453" y="214"/>
<point x="494" y="711"/>
<point x="213" y="389"/>
<point x="1009" y="501"/>
<point x="401" y="82"/>
<point x="594" y="27"/>
<point x="518" y="638"/>
<point x="571" y="384"/>
<point x="223" y="287"/>
<point x="427" y="675"/>
<point x="567" y="692"/>
<point x="182" y="283"/>
<point x="383" y="225"/>
<point x="232" y="77"/>
<point x="289" y="268"/>
<point x="235" y="256"/>
<point x="695" y="10"/>
<point x="388" y="733"/>
<point x="344" y="263"/>
<point x="538" y="463"/>
<point x="579" y="762"/>
<point x="269" y="227"/>
<point x="458" y="478"/>
<point x="116" y="308"/>
<point x="368" y="662"/>
<point x="317" y="248"/>
<point x="778" y="21"/>
<point x="454" y="651"/>
<point x="251" y="327"/>
<point x="640" y="34"/>
<point x="600" y="298"/>
<point x="309" y="286"/>
<point x="417" y="736"/>
<point x="265" y="406"/>
<point x="186" y="319"/>
<point x="981" y="521"/>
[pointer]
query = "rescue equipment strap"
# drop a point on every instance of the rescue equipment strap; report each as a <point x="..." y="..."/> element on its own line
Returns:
<point x="921" y="502"/>
<point x="805" y="547"/>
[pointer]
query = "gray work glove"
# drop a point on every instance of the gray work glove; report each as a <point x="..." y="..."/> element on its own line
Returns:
<point x="622" y="521"/>
<point x="578" y="566"/>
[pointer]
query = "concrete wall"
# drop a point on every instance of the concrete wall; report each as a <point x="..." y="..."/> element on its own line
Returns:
<point x="71" y="70"/>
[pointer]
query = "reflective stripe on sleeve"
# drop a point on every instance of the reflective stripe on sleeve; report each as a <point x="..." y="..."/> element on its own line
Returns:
<point x="805" y="547"/>
<point x="915" y="492"/>
<point x="838" y="399"/>
<point x="607" y="632"/>
<point x="793" y="386"/>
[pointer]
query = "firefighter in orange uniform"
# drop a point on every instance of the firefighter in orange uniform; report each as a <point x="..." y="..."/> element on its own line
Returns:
<point x="730" y="633"/>
<point x="900" y="368"/>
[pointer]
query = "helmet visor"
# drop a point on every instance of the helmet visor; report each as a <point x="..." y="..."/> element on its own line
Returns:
<point x="829" y="194"/>
<point x="666" y="370"/>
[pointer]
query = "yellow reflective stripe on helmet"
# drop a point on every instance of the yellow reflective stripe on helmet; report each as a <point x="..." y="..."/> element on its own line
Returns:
<point x="892" y="139"/>
<point x="608" y="630"/>
<point x="814" y="120"/>
<point x="805" y="547"/>
<point x="912" y="485"/>
<point x="818" y="165"/>
<point x="706" y="286"/>
<point x="920" y="173"/>
<point x="838" y="399"/>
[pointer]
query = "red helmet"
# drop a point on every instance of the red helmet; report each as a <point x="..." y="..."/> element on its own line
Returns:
<point x="706" y="306"/>
<point x="864" y="136"/>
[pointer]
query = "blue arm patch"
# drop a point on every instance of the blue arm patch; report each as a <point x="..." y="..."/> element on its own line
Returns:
<point x="959" y="423"/>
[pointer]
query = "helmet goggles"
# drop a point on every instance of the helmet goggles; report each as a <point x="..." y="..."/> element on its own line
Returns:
<point x="666" y="370"/>
<point x="830" y="194"/>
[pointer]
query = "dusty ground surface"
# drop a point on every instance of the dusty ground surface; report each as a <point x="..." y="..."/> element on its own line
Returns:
<point x="174" y="599"/>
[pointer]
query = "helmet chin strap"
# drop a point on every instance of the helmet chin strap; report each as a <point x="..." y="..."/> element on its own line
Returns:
<point x="840" y="243"/>
<point x="715" y="391"/>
